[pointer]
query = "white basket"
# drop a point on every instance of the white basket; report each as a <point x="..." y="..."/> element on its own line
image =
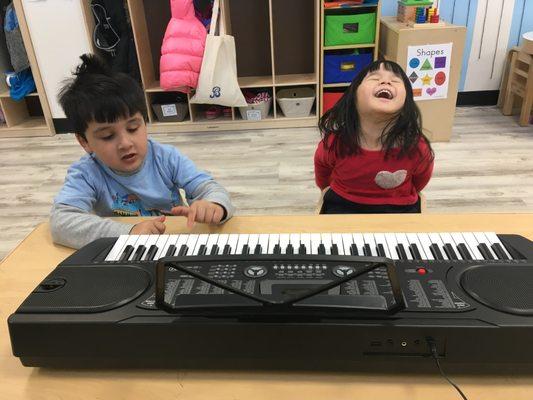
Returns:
<point x="296" y="102"/>
<point x="256" y="111"/>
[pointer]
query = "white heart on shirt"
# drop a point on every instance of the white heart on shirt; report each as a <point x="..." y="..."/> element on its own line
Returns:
<point x="390" y="180"/>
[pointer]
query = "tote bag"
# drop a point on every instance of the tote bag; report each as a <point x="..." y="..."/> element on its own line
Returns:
<point x="217" y="83"/>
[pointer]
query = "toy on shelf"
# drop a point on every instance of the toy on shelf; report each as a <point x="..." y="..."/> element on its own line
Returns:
<point x="342" y="4"/>
<point x="418" y="13"/>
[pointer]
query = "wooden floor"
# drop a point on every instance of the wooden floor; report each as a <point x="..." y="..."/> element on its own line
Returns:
<point x="486" y="167"/>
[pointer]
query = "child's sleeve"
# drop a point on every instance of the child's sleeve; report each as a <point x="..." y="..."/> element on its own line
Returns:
<point x="424" y="169"/>
<point x="198" y="184"/>
<point x="72" y="222"/>
<point x="324" y="163"/>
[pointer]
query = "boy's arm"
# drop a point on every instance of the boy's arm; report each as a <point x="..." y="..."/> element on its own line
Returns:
<point x="214" y="192"/>
<point x="73" y="227"/>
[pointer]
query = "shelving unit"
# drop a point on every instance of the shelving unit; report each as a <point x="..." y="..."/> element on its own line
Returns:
<point x="31" y="115"/>
<point x="368" y="6"/>
<point x="277" y="46"/>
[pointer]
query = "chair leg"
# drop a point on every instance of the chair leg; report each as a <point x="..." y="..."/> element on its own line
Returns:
<point x="509" y="96"/>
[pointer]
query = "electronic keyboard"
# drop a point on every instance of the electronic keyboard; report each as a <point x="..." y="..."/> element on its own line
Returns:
<point x="300" y="300"/>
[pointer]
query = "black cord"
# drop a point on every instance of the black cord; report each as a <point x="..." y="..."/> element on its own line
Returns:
<point x="435" y="355"/>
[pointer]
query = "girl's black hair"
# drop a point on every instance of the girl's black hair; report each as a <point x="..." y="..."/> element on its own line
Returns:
<point x="343" y="120"/>
<point x="96" y="93"/>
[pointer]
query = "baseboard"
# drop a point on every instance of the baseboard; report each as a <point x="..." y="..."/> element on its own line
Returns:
<point x="478" y="98"/>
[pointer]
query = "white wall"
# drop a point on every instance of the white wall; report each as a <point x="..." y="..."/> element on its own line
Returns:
<point x="59" y="37"/>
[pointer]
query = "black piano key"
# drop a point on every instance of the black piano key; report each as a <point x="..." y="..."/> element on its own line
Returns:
<point x="214" y="250"/>
<point x="415" y="252"/>
<point x="321" y="249"/>
<point x="258" y="249"/>
<point x="401" y="251"/>
<point x="277" y="249"/>
<point x="126" y="253"/>
<point x="202" y="251"/>
<point x="290" y="249"/>
<point x="170" y="251"/>
<point x="485" y="252"/>
<point x="227" y="249"/>
<point x="139" y="253"/>
<point x="353" y="250"/>
<point x="381" y="250"/>
<point x="366" y="250"/>
<point x="497" y="248"/>
<point x="245" y="249"/>
<point x="436" y="251"/>
<point x="183" y="250"/>
<point x="302" y="249"/>
<point x="151" y="252"/>
<point x="334" y="250"/>
<point x="463" y="250"/>
<point x="450" y="252"/>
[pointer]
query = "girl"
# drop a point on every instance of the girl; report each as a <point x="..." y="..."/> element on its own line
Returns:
<point x="373" y="155"/>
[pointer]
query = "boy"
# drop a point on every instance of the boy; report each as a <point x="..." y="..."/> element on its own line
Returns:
<point x="124" y="172"/>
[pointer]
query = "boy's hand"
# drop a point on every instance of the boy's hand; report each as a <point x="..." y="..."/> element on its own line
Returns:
<point x="152" y="226"/>
<point x="200" y="211"/>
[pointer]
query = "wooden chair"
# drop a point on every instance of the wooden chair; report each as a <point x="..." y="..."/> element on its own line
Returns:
<point x="519" y="83"/>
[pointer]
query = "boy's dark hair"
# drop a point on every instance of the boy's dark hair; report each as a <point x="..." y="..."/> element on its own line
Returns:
<point x="403" y="131"/>
<point x="98" y="94"/>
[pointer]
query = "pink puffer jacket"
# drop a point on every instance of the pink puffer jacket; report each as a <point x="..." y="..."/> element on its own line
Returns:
<point x="183" y="48"/>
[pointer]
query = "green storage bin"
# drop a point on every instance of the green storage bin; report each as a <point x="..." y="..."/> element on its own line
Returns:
<point x="350" y="29"/>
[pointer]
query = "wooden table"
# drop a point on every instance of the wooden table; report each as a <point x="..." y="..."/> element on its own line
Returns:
<point x="36" y="256"/>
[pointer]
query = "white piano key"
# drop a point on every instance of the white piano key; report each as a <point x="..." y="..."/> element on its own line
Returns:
<point x="117" y="249"/>
<point x="252" y="242"/>
<point x="481" y="238"/>
<point x="202" y="240"/>
<point x="284" y="240"/>
<point x="305" y="239"/>
<point x="182" y="240"/>
<point x="359" y="242"/>
<point x="233" y="239"/>
<point x="211" y="241"/>
<point x="380" y="240"/>
<point x="316" y="240"/>
<point x="412" y="238"/>
<point x="447" y="237"/>
<point x="243" y="239"/>
<point x="132" y="239"/>
<point x="191" y="242"/>
<point x="263" y="242"/>
<point x="161" y="243"/>
<point x="369" y="239"/>
<point x="326" y="241"/>
<point x="472" y="243"/>
<point x="336" y="238"/>
<point x="172" y="239"/>
<point x="347" y="241"/>
<point x="425" y="242"/>
<point x="222" y="241"/>
<point x="151" y="241"/>
<point x="401" y="238"/>
<point x="273" y="240"/>
<point x="495" y="239"/>
<point x="294" y="239"/>
<point x="435" y="238"/>
<point x="390" y="238"/>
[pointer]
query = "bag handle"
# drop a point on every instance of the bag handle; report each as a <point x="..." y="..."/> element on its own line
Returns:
<point x="217" y="13"/>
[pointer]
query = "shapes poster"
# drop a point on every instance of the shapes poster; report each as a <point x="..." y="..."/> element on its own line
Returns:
<point x="428" y="69"/>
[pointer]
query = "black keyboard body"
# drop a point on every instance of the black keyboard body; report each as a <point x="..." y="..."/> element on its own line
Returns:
<point x="89" y="312"/>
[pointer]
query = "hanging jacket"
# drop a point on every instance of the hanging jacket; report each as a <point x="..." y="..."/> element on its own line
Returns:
<point x="183" y="48"/>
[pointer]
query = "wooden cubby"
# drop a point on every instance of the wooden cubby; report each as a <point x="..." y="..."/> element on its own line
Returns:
<point x="29" y="116"/>
<point x="277" y="45"/>
<point x="367" y="6"/>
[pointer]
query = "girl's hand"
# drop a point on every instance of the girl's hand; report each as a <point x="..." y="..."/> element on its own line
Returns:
<point x="200" y="211"/>
<point x="152" y="226"/>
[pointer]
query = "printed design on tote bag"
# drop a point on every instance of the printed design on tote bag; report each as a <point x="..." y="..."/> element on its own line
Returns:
<point x="390" y="180"/>
<point x="216" y="92"/>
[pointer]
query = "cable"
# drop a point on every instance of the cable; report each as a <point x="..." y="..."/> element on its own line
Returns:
<point x="433" y="349"/>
